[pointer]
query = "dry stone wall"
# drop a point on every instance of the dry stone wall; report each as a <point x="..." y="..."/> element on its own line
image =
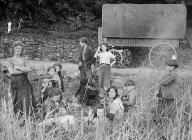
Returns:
<point x="42" y="47"/>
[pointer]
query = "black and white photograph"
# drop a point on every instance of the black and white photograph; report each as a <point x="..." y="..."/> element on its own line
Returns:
<point x="95" y="69"/>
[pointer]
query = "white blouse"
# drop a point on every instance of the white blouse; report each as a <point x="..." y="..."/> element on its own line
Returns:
<point x="105" y="57"/>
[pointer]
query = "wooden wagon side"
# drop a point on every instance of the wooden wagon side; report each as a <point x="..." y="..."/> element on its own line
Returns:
<point x="147" y="25"/>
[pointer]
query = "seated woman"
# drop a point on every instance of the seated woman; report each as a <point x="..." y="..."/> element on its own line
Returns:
<point x="58" y="68"/>
<point x="129" y="95"/>
<point x="86" y="92"/>
<point x="50" y="84"/>
<point x="115" y="106"/>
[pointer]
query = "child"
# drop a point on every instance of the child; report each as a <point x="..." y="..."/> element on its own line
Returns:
<point x="54" y="77"/>
<point x="58" y="68"/>
<point x="97" y="118"/>
<point x="129" y="95"/>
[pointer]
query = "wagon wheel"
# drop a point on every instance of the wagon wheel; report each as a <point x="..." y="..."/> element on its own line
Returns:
<point x="160" y="53"/>
<point x="118" y="56"/>
<point x="127" y="57"/>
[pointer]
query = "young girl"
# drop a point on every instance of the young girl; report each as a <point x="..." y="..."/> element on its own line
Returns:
<point x="115" y="106"/>
<point x="20" y="87"/>
<point x="58" y="68"/>
<point x="105" y="65"/>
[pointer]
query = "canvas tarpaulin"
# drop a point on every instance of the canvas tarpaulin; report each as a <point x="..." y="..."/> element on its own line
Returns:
<point x="143" y="21"/>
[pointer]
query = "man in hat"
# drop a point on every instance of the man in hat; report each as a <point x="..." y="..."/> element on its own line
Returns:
<point x="86" y="59"/>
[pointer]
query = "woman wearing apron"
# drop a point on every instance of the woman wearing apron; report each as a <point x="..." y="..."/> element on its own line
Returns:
<point x="20" y="87"/>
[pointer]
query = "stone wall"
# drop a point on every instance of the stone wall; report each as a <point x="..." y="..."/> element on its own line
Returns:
<point x="43" y="47"/>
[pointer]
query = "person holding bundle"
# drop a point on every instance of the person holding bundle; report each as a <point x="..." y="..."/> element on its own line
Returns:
<point x="50" y="83"/>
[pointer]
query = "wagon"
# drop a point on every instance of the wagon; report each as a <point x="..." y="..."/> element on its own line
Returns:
<point x="159" y="27"/>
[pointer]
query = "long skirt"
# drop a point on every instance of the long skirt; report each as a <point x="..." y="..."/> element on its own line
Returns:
<point x="22" y="94"/>
<point x="104" y="76"/>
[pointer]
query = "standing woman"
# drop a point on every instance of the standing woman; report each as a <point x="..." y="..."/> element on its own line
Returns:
<point x="58" y="68"/>
<point x="105" y="65"/>
<point x="168" y="91"/>
<point x="20" y="88"/>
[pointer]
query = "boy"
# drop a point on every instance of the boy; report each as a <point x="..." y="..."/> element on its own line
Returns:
<point x="129" y="94"/>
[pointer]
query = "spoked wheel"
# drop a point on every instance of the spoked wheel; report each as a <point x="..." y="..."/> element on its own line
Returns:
<point x="127" y="57"/>
<point x="118" y="56"/>
<point x="159" y="54"/>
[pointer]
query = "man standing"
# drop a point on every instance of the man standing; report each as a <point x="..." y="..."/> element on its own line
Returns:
<point x="86" y="59"/>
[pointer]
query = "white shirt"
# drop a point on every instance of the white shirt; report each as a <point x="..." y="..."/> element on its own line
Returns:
<point x="105" y="57"/>
<point x="117" y="108"/>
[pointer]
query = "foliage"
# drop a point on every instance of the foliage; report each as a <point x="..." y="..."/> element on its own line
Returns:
<point x="77" y="14"/>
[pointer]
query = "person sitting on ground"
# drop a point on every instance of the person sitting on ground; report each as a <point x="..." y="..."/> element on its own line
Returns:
<point x="58" y="68"/>
<point x="52" y="101"/>
<point x="129" y="94"/>
<point x="50" y="84"/>
<point x="115" y="106"/>
<point x="86" y="92"/>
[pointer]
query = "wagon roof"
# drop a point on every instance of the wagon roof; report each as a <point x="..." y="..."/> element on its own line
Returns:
<point x="144" y="20"/>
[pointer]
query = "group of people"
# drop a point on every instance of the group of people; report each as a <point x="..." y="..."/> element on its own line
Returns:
<point x="21" y="90"/>
<point x="111" y="103"/>
<point x="115" y="103"/>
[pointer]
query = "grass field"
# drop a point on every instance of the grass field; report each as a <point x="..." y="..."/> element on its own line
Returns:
<point x="137" y="125"/>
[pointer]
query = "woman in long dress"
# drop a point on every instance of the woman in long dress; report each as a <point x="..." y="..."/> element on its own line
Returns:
<point x="20" y="88"/>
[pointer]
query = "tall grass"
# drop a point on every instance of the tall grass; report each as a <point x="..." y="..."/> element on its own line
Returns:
<point x="138" y="123"/>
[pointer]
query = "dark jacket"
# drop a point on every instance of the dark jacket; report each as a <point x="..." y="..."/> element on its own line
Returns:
<point x="89" y="58"/>
<point x="168" y="86"/>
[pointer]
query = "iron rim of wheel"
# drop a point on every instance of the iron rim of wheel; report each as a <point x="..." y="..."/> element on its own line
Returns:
<point x="157" y="46"/>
